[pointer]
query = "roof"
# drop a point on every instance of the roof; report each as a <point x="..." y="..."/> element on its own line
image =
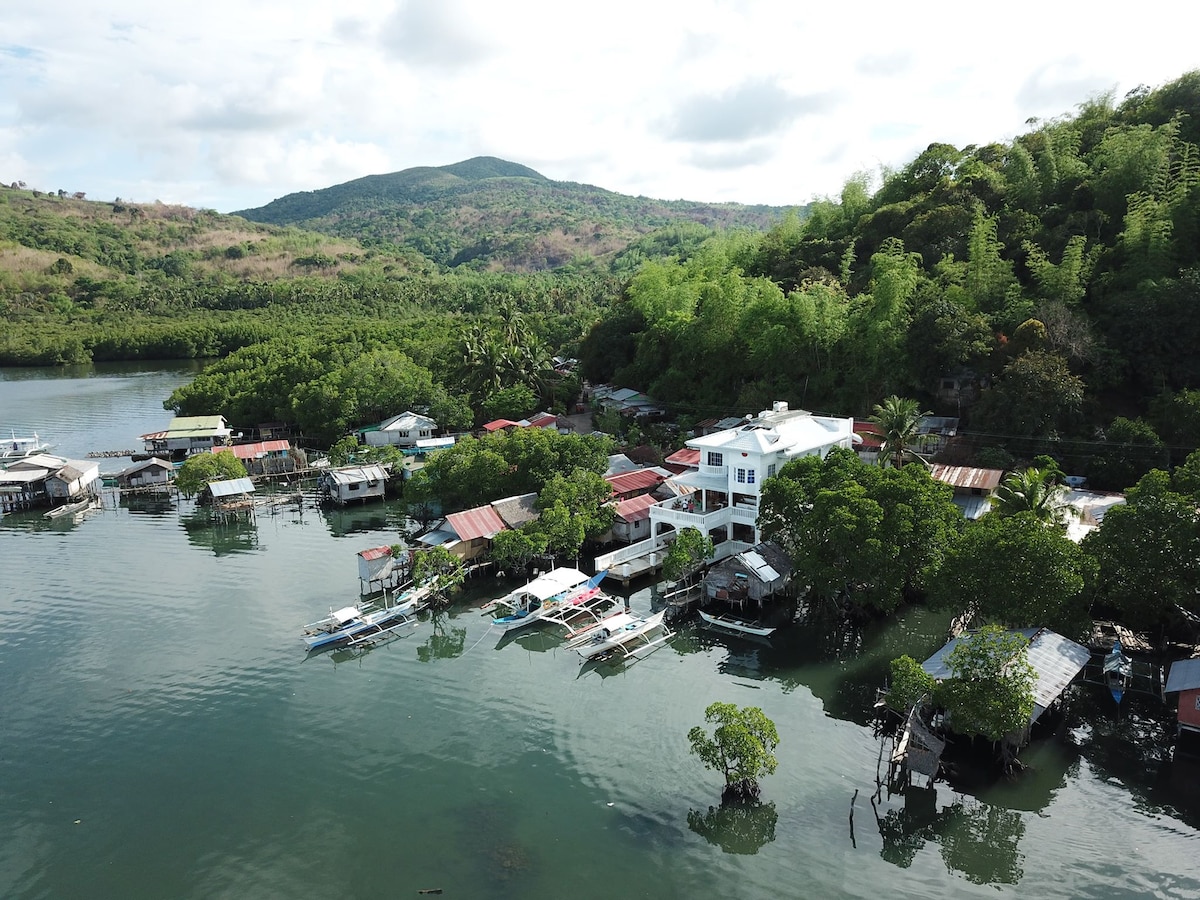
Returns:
<point x="972" y="507"/>
<point x="152" y="462"/>
<point x="231" y="488"/>
<point x="516" y="511"/>
<point x="544" y="420"/>
<point x="759" y="566"/>
<point x="357" y="474"/>
<point x="636" y="508"/>
<point x="197" y="426"/>
<point x="481" y="522"/>
<point x="438" y="537"/>
<point x="967" y="476"/>
<point x="685" y="457"/>
<point x="254" y="451"/>
<point x="867" y="435"/>
<point x="637" y="480"/>
<point x="497" y="424"/>
<point x="619" y="463"/>
<point x="792" y="432"/>
<point x="1184" y="675"/>
<point x="1056" y="660"/>
<point x="1091" y="506"/>
<point x="554" y="582"/>
<point x="375" y="553"/>
<point x="407" y="421"/>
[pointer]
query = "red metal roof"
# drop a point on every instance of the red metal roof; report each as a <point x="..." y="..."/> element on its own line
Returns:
<point x="481" y="522"/>
<point x="543" y="420"/>
<point x="375" y="553"/>
<point x="252" y="451"/>
<point x="637" y="480"/>
<point x="871" y="435"/>
<point x="636" y="508"/>
<point x="685" y="457"/>
<point x="497" y="424"/>
<point x="967" y="476"/>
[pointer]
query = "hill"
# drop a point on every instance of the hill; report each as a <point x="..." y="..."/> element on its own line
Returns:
<point x="491" y="214"/>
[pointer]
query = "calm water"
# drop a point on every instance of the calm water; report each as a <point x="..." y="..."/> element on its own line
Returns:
<point x="163" y="735"/>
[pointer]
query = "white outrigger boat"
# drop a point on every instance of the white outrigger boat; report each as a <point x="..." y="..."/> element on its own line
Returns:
<point x="76" y="508"/>
<point x="626" y="633"/>
<point x="363" y="623"/>
<point x="560" y="596"/>
<point x="14" y="448"/>
<point x="733" y="623"/>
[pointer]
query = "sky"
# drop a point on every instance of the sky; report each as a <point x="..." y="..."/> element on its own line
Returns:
<point x="229" y="104"/>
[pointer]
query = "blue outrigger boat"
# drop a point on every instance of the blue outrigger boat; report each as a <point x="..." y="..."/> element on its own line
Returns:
<point x="1117" y="669"/>
<point x="558" y="596"/>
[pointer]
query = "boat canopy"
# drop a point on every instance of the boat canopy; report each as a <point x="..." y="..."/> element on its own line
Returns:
<point x="553" y="583"/>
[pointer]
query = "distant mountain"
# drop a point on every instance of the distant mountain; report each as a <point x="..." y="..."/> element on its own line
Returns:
<point x="488" y="213"/>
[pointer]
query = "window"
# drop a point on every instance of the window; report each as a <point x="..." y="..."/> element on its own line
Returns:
<point x="715" y="459"/>
<point x="741" y="476"/>
<point x="771" y="470"/>
<point x="749" y="476"/>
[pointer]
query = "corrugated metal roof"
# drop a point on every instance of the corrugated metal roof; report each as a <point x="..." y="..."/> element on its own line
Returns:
<point x="481" y="522"/>
<point x="375" y="553"/>
<point x="967" y="476"/>
<point x="497" y="424"/>
<point x="1056" y="661"/>
<point x="758" y="566"/>
<point x="357" y="474"/>
<point x="685" y="457"/>
<point x="972" y="507"/>
<point x="1184" y="675"/>
<point x="638" y="480"/>
<point x="231" y="488"/>
<point x="253" y="451"/>
<point x="407" y="421"/>
<point x="152" y="462"/>
<point x="197" y="426"/>
<point x="636" y="508"/>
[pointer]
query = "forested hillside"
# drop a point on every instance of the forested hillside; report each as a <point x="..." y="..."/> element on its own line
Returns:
<point x="1055" y="279"/>
<point x="490" y="214"/>
<point x="1046" y="291"/>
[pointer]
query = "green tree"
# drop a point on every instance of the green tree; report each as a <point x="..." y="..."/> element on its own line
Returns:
<point x="741" y="747"/>
<point x="1148" y="553"/>
<point x="909" y="684"/>
<point x="990" y="689"/>
<point x="1015" y="571"/>
<point x="201" y="468"/>
<point x="900" y="419"/>
<point x="1035" y="396"/>
<point x="514" y="549"/>
<point x="1034" y="492"/>
<point x="689" y="549"/>
<point x="438" y="567"/>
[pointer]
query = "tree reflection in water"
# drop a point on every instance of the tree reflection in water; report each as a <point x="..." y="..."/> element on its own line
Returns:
<point x="739" y="827"/>
<point x="975" y="839"/>
<point x="446" y="642"/>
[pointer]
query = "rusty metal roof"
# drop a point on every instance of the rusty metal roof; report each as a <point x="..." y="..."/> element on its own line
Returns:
<point x="636" y="508"/>
<point x="375" y="553"/>
<point x="637" y="480"/>
<point x="967" y="476"/>
<point x="481" y="522"/>
<point x="685" y="457"/>
<point x="253" y="451"/>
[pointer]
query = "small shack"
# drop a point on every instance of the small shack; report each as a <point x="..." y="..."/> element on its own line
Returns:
<point x="973" y="487"/>
<point x="1055" y="659"/>
<point x="348" y="483"/>
<point x="229" y="497"/>
<point x="632" y="522"/>
<point x="753" y="574"/>
<point x="404" y="430"/>
<point x="188" y="434"/>
<point x="149" y="473"/>
<point x="274" y="457"/>
<point x="76" y="479"/>
<point x="1184" y="678"/>
<point x="475" y="529"/>
<point x="379" y="570"/>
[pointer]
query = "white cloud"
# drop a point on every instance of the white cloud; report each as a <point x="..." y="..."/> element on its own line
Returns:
<point x="229" y="104"/>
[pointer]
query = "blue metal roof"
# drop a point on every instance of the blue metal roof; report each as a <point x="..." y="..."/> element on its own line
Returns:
<point x="232" y="487"/>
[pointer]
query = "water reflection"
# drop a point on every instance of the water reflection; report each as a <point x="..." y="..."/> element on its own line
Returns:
<point x="221" y="537"/>
<point x="978" y="840"/>
<point x="743" y="827"/>
<point x="154" y="505"/>
<point x="378" y="516"/>
<point x="446" y="642"/>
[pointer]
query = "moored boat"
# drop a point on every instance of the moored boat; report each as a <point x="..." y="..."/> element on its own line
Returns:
<point x="14" y="448"/>
<point x="546" y="598"/>
<point x="629" y="638"/>
<point x="70" y="509"/>
<point x="356" y="623"/>
<point x="733" y="623"/>
<point x="1118" y="670"/>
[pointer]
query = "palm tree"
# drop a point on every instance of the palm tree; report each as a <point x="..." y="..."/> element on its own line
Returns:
<point x="1033" y="491"/>
<point x="899" y="418"/>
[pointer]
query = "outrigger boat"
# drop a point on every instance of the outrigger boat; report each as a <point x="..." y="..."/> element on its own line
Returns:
<point x="363" y="623"/>
<point x="733" y="623"/>
<point x="70" y="509"/>
<point x="559" y="596"/>
<point x="1118" y="670"/>
<point x="15" y="448"/>
<point x="629" y="635"/>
